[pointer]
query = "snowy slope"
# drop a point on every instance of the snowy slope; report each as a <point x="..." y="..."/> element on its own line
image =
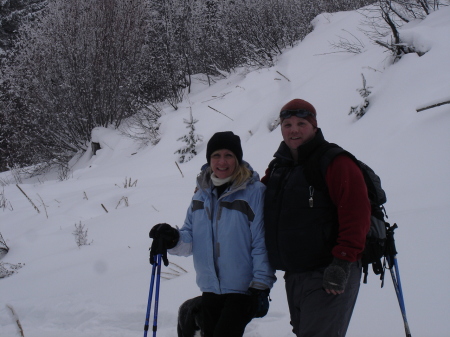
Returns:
<point x="101" y="289"/>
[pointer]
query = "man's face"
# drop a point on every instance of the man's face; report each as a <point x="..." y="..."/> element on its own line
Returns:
<point x="297" y="131"/>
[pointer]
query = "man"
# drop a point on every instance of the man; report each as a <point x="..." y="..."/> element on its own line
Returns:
<point x="316" y="221"/>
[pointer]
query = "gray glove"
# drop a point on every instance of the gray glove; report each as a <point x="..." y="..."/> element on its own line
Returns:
<point x="336" y="275"/>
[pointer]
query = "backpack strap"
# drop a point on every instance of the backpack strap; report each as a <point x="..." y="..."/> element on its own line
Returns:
<point x="317" y="164"/>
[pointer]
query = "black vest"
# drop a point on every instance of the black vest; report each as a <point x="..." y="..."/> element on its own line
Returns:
<point x="300" y="220"/>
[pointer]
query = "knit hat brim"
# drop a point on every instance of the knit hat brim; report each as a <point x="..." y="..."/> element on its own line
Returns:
<point x="300" y="104"/>
<point x="224" y="140"/>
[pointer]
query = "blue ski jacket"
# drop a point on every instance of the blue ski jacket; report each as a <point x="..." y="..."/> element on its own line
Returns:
<point x="225" y="235"/>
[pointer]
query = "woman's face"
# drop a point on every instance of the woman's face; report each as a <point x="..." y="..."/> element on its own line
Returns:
<point x="223" y="163"/>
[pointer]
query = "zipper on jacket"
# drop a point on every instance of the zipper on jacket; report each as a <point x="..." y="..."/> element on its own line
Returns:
<point x="311" y="195"/>
<point x="217" y="217"/>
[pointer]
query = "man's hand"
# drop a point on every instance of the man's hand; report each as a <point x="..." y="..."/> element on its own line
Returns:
<point x="335" y="276"/>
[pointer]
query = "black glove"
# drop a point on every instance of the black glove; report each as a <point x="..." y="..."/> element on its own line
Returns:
<point x="261" y="300"/>
<point x="164" y="237"/>
<point x="336" y="275"/>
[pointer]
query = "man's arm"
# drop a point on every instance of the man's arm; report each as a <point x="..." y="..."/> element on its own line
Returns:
<point x="348" y="192"/>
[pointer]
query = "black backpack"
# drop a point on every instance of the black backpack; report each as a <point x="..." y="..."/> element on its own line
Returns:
<point x="380" y="244"/>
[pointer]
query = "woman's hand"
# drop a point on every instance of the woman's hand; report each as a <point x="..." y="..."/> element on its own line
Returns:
<point x="164" y="237"/>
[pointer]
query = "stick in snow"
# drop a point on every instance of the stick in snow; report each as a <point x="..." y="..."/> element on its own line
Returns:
<point x="220" y="112"/>
<point x="283" y="76"/>
<point x="16" y="319"/>
<point x="432" y="106"/>
<point x="37" y="209"/>
<point x="182" y="175"/>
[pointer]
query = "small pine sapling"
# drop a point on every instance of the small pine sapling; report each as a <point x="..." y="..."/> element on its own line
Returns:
<point x="364" y="92"/>
<point x="80" y="235"/>
<point x="188" y="151"/>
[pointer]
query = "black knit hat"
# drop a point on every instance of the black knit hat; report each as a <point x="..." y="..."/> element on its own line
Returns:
<point x="224" y="140"/>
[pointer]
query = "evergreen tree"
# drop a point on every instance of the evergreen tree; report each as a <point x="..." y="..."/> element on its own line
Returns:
<point x="364" y="92"/>
<point x="188" y="151"/>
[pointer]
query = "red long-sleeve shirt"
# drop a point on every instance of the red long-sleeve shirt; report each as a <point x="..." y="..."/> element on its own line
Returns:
<point x="348" y="192"/>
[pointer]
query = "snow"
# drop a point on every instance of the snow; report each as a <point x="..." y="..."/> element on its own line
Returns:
<point x="101" y="289"/>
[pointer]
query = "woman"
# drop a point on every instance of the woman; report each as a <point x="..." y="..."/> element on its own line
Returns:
<point x="224" y="231"/>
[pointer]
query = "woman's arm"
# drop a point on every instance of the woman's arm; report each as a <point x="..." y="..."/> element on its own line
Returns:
<point x="263" y="273"/>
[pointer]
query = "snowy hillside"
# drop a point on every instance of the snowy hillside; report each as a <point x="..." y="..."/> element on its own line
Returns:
<point x="101" y="289"/>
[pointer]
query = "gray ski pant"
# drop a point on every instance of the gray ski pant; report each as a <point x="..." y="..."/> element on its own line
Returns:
<point x="314" y="313"/>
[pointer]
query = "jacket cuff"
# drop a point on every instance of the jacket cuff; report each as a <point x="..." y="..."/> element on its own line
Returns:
<point x="345" y="253"/>
<point x="258" y="285"/>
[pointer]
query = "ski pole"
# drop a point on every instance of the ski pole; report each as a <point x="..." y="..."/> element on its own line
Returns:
<point x="150" y="296"/>
<point x="398" y="290"/>
<point x="155" y="309"/>
<point x="156" y="265"/>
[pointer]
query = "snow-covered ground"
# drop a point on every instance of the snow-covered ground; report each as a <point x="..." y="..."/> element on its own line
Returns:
<point x="101" y="289"/>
